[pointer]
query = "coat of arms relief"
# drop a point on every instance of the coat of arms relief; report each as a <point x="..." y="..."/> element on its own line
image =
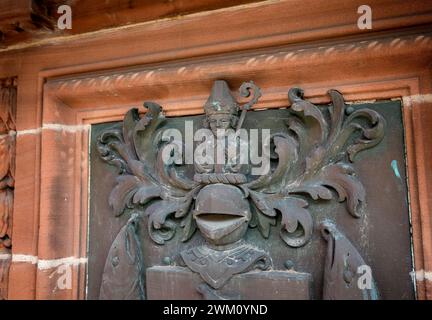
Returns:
<point x="202" y="212"/>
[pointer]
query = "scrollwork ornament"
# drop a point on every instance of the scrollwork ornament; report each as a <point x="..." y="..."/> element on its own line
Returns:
<point x="312" y="158"/>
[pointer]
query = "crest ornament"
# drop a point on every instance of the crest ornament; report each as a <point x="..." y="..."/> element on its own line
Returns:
<point x="311" y="159"/>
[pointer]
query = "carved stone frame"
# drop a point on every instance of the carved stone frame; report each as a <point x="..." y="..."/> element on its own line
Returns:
<point x="58" y="101"/>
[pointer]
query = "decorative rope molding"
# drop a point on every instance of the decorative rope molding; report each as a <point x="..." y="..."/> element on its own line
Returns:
<point x="153" y="76"/>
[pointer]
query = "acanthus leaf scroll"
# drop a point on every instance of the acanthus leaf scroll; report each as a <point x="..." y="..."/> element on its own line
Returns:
<point x="145" y="178"/>
<point x="313" y="159"/>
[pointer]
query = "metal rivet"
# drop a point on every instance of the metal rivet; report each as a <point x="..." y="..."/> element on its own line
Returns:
<point x="289" y="264"/>
<point x="115" y="261"/>
<point x="166" y="261"/>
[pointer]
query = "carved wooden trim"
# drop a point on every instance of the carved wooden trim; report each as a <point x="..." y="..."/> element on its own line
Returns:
<point x="7" y="178"/>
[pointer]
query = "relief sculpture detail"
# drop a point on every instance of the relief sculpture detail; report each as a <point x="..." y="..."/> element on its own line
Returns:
<point x="7" y="180"/>
<point x="218" y="203"/>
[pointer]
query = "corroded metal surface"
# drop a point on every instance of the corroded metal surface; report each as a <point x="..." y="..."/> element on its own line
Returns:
<point x="250" y="222"/>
